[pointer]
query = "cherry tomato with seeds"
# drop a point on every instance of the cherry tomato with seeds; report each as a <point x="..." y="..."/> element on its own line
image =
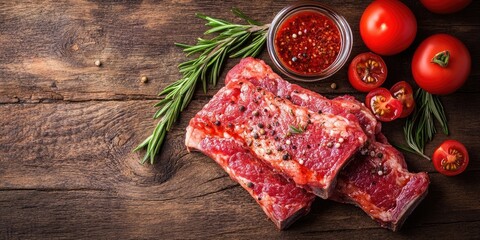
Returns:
<point x="445" y="6"/>
<point x="441" y="64"/>
<point x="450" y="158"/>
<point x="403" y="92"/>
<point x="367" y="71"/>
<point x="383" y="105"/>
<point x="388" y="27"/>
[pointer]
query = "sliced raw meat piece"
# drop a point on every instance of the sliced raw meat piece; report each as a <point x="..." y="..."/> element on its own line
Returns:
<point x="260" y="74"/>
<point x="280" y="199"/>
<point x="377" y="181"/>
<point x="307" y="147"/>
<point x="401" y="189"/>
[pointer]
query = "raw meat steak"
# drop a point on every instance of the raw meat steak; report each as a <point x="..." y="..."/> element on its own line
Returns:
<point x="280" y="199"/>
<point x="308" y="147"/>
<point x="260" y="74"/>
<point x="377" y="180"/>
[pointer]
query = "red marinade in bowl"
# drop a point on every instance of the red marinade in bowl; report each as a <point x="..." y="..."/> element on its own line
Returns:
<point x="307" y="42"/>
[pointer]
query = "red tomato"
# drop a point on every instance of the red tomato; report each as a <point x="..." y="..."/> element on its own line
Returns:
<point x="450" y="158"/>
<point x="388" y="27"/>
<point x="403" y="92"/>
<point x="445" y="6"/>
<point x="385" y="107"/>
<point x="434" y="71"/>
<point x="367" y="71"/>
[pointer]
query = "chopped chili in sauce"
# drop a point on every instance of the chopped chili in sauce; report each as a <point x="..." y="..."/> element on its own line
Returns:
<point x="307" y="42"/>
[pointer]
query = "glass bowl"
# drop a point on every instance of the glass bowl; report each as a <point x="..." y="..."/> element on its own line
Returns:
<point x="318" y="73"/>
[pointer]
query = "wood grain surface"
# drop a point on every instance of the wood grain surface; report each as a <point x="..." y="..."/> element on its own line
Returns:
<point x="67" y="128"/>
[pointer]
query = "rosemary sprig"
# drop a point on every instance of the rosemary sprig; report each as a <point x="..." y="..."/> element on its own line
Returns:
<point x="232" y="40"/>
<point x="420" y="127"/>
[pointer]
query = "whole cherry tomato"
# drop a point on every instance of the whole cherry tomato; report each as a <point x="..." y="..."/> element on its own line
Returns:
<point x="441" y="64"/>
<point x="403" y="92"/>
<point x="388" y="27"/>
<point x="383" y="105"/>
<point x="450" y="158"/>
<point x="445" y="6"/>
<point x="367" y="71"/>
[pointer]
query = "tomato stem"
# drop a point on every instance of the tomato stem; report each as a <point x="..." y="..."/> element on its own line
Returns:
<point x="441" y="58"/>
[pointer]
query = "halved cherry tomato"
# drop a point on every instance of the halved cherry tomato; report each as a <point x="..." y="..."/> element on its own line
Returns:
<point x="367" y="71"/>
<point x="450" y="158"/>
<point x="385" y="107"/>
<point x="403" y="92"/>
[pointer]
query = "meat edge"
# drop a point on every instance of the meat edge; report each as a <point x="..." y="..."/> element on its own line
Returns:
<point x="281" y="225"/>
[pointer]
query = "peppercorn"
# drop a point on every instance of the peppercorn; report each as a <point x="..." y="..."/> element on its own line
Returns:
<point x="242" y="108"/>
<point x="255" y="135"/>
<point x="260" y="125"/>
<point x="286" y="156"/>
<point x="250" y="185"/>
<point x="255" y="113"/>
<point x="380" y="155"/>
<point x="217" y="123"/>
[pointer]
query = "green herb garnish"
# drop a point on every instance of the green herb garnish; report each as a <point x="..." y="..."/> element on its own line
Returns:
<point x="420" y="127"/>
<point x="233" y="40"/>
<point x="296" y="130"/>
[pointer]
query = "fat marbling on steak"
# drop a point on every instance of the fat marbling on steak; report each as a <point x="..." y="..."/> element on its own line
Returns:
<point x="308" y="147"/>
<point x="377" y="180"/>
<point x="280" y="199"/>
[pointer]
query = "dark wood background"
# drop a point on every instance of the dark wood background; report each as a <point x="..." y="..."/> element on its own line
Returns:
<point x="67" y="128"/>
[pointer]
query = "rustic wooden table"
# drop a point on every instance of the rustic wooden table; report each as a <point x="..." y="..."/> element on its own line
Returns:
<point x="67" y="128"/>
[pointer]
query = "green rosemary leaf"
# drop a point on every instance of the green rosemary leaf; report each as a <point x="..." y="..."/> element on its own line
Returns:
<point x="143" y="144"/>
<point x="240" y="14"/>
<point x="160" y="112"/>
<point x="258" y="46"/>
<point x="296" y="130"/>
<point x="182" y="45"/>
<point x="221" y="28"/>
<point x="241" y="40"/>
<point x="212" y="22"/>
<point x="439" y="113"/>
<point x="204" y="41"/>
